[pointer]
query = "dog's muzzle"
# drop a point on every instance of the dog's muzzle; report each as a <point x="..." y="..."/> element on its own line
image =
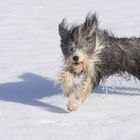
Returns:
<point x="75" y="60"/>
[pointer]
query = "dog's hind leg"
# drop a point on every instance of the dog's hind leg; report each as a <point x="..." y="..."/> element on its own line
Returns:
<point x="66" y="78"/>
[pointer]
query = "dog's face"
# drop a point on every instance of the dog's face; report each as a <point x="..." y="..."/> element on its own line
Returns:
<point x="78" y="42"/>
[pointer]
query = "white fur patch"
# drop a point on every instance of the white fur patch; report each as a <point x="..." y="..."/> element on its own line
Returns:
<point x="97" y="51"/>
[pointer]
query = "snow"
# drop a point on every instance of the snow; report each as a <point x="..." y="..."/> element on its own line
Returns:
<point x="31" y="107"/>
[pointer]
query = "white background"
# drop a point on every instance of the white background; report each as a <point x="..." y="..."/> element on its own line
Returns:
<point x="31" y="108"/>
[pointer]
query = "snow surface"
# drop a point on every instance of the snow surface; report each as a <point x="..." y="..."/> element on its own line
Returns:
<point x="31" y="107"/>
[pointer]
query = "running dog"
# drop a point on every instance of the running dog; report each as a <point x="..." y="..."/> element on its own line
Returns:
<point x="93" y="54"/>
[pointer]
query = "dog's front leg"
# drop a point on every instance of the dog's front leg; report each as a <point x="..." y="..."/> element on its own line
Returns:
<point x="82" y="91"/>
<point x="66" y="78"/>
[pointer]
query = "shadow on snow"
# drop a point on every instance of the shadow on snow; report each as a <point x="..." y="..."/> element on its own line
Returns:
<point x="34" y="87"/>
<point x="126" y="91"/>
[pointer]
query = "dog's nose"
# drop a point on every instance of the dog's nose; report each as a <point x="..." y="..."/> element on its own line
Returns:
<point x="75" y="58"/>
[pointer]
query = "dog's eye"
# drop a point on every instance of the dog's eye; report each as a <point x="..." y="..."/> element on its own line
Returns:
<point x="71" y="49"/>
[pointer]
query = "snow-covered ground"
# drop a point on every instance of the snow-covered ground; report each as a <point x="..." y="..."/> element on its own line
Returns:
<point x="31" y="108"/>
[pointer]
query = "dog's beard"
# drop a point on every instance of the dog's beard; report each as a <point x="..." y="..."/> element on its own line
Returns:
<point x="76" y="68"/>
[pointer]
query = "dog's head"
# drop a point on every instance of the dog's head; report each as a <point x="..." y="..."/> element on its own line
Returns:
<point x="78" y="42"/>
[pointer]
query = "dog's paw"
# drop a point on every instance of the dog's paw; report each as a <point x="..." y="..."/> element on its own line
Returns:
<point x="73" y="105"/>
<point x="67" y="94"/>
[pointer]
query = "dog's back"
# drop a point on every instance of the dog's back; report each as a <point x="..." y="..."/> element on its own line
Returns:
<point x="121" y="55"/>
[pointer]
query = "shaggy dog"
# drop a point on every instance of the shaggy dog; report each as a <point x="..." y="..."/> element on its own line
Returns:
<point x="93" y="54"/>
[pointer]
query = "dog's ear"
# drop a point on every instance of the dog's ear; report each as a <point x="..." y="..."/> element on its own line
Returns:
<point x="91" y="23"/>
<point x="63" y="29"/>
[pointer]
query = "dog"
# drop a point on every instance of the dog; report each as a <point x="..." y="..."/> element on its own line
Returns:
<point x="93" y="54"/>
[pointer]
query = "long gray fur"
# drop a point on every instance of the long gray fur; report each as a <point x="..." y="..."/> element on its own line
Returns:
<point x="117" y="56"/>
